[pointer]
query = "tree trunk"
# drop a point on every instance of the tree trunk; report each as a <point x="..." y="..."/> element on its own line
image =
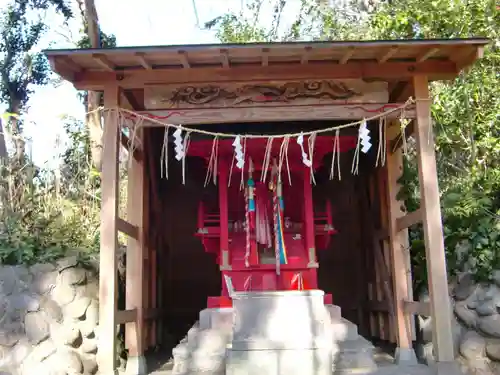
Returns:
<point x="93" y="98"/>
<point x="3" y="144"/>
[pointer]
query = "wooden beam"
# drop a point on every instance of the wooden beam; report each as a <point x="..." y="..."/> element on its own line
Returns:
<point x="137" y="154"/>
<point x="130" y="96"/>
<point x="126" y="228"/>
<point x="183" y="58"/>
<point x="140" y="78"/>
<point x="103" y="61"/>
<point x="108" y="283"/>
<point x="417" y="308"/>
<point x="135" y="280"/>
<point x="126" y="316"/>
<point x="433" y="231"/>
<point x="427" y="54"/>
<point x="401" y="92"/>
<point x="388" y="54"/>
<point x="265" y="57"/>
<point x="409" y="220"/>
<point x="141" y="56"/>
<point x="398" y="250"/>
<point x="258" y="114"/>
<point x="224" y="58"/>
<point x="467" y="57"/>
<point x="304" y="59"/>
<point x="347" y="55"/>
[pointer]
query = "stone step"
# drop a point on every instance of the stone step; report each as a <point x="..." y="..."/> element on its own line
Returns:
<point x="335" y="312"/>
<point x="355" y="354"/>
<point x="344" y="330"/>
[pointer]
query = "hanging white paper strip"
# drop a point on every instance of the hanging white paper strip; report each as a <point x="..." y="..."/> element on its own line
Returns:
<point x="238" y="151"/>
<point x="300" y="140"/>
<point x="364" y="136"/>
<point x="179" y="145"/>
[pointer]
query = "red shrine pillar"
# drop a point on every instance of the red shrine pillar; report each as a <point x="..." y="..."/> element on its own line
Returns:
<point x="224" y="217"/>
<point x="309" y="220"/>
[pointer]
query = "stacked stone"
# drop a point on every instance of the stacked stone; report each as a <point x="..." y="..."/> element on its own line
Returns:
<point x="476" y="309"/>
<point x="48" y="319"/>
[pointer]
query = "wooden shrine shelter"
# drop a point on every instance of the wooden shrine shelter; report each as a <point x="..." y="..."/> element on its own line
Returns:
<point x="274" y="87"/>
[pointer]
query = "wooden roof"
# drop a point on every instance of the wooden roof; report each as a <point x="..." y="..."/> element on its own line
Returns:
<point x="390" y="60"/>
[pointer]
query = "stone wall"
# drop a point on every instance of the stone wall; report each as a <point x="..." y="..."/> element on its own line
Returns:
<point x="476" y="325"/>
<point x="48" y="319"/>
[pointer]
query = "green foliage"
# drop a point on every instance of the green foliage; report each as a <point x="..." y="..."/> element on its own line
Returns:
<point x="21" y="28"/>
<point x="47" y="214"/>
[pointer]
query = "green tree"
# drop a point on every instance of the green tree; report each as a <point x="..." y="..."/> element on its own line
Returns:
<point x="21" y="28"/>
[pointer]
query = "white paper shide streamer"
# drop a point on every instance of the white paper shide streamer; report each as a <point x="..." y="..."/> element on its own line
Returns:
<point x="179" y="145"/>
<point x="305" y="159"/>
<point x="238" y="152"/>
<point x="364" y="137"/>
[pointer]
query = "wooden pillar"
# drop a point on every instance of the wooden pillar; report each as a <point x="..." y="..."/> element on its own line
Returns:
<point x="309" y="219"/>
<point x="433" y="230"/>
<point x="108" y="283"/>
<point x="224" y="218"/>
<point x="398" y="244"/>
<point x="135" y="280"/>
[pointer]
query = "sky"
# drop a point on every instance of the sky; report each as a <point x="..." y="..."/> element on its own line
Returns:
<point x="134" y="23"/>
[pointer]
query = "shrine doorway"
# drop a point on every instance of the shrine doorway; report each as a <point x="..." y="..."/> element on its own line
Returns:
<point x="187" y="275"/>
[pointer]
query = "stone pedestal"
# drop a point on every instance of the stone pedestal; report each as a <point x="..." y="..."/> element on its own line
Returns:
<point x="282" y="332"/>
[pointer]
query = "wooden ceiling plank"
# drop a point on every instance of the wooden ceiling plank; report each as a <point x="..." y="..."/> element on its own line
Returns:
<point x="183" y="57"/>
<point x="69" y="63"/>
<point x="427" y="54"/>
<point x="224" y="58"/>
<point x="388" y="54"/>
<point x="104" y="62"/>
<point x="347" y="55"/>
<point x="435" y="69"/>
<point x="467" y="56"/>
<point x="141" y="56"/>
<point x="265" y="57"/>
<point x="304" y="59"/>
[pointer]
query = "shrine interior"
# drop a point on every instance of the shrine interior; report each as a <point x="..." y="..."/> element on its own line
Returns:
<point x="186" y="274"/>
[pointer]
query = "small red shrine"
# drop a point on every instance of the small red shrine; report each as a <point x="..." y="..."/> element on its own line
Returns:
<point x="265" y="229"/>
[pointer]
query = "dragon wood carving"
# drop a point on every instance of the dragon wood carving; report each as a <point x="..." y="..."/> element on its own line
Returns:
<point x="261" y="93"/>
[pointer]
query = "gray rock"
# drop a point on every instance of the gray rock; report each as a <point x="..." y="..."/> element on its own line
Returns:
<point x="51" y="309"/>
<point x="69" y="360"/>
<point x="473" y="345"/>
<point x="77" y="308"/>
<point x="43" y="283"/>
<point x="89" y="346"/>
<point x="9" y="339"/>
<point x="464" y="288"/>
<point x="493" y="349"/>
<point x="43" y="351"/>
<point x="68" y="334"/>
<point x="490" y="325"/>
<point x="73" y="276"/>
<point x="465" y="315"/>
<point x="16" y="355"/>
<point x="36" y="326"/>
<point x="91" y="320"/>
<point x="25" y="278"/>
<point x="63" y="294"/>
<point x="496" y="277"/>
<point x="89" y="364"/>
<point x="71" y="261"/>
<point x="486" y="308"/>
<point x="25" y="302"/>
<point x="41" y="268"/>
<point x="8" y="280"/>
<point x="90" y="290"/>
